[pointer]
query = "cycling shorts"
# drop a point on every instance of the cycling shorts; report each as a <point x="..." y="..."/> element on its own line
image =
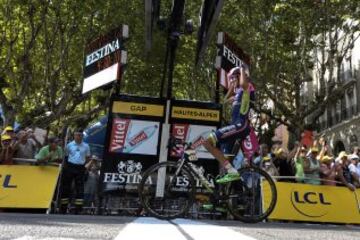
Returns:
<point x="229" y="134"/>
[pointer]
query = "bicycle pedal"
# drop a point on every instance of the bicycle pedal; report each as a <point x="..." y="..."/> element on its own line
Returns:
<point x="211" y="207"/>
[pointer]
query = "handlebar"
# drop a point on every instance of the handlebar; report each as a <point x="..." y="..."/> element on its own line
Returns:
<point x="175" y="142"/>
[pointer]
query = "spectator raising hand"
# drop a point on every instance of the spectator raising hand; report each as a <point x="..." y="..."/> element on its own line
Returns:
<point x="25" y="147"/>
<point x="312" y="167"/>
<point x="327" y="170"/>
<point x="343" y="171"/>
<point x="299" y="163"/>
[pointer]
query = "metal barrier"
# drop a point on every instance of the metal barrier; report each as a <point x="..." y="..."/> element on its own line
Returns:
<point x="33" y="161"/>
<point x="307" y="178"/>
<point x="129" y="205"/>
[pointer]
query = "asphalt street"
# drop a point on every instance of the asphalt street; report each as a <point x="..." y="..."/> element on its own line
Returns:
<point x="66" y="227"/>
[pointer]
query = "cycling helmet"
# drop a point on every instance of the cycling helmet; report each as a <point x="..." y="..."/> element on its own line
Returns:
<point x="236" y="71"/>
<point x="233" y="73"/>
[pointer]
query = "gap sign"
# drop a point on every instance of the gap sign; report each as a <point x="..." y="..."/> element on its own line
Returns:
<point x="103" y="59"/>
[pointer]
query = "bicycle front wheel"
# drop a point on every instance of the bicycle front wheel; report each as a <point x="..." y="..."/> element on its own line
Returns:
<point x="253" y="197"/>
<point x="165" y="191"/>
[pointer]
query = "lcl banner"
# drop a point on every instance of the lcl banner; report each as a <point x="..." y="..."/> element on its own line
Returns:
<point x="27" y="186"/>
<point x="314" y="203"/>
<point x="132" y="140"/>
<point x="229" y="56"/>
<point x="103" y="58"/>
<point x="192" y="122"/>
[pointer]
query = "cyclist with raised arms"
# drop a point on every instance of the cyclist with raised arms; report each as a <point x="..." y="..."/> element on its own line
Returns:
<point x="241" y="94"/>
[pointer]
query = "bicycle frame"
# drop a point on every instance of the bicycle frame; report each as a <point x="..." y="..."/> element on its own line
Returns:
<point x="204" y="182"/>
<point x="191" y="168"/>
<point x="185" y="168"/>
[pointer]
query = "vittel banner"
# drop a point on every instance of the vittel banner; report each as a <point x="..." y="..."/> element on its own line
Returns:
<point x="134" y="137"/>
<point x="229" y="56"/>
<point x="192" y="122"/>
<point x="132" y="140"/>
<point x="194" y="134"/>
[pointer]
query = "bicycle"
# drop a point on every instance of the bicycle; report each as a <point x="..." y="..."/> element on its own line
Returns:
<point x="167" y="189"/>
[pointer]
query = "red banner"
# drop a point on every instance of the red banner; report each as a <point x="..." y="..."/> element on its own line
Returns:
<point x="250" y="144"/>
<point x="118" y="134"/>
<point x="179" y="131"/>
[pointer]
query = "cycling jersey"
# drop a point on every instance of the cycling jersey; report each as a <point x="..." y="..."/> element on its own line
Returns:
<point x="243" y="102"/>
<point x="240" y="127"/>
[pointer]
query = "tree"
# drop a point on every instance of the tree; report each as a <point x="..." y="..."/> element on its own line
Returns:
<point x="281" y="38"/>
<point x="42" y="55"/>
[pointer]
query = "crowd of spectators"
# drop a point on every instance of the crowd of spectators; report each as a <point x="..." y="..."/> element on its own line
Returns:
<point x="316" y="164"/>
<point x="23" y="146"/>
<point x="311" y="165"/>
<point x="80" y="170"/>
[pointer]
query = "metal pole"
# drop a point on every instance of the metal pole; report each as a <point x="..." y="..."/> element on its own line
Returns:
<point x="59" y="187"/>
<point x="173" y="43"/>
<point x="163" y="80"/>
<point x="217" y="87"/>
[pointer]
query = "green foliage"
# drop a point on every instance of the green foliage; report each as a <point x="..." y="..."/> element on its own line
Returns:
<point x="43" y="49"/>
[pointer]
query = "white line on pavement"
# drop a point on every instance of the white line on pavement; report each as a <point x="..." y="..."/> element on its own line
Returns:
<point x="199" y="230"/>
<point x="150" y="228"/>
<point x="179" y="229"/>
<point x="47" y="238"/>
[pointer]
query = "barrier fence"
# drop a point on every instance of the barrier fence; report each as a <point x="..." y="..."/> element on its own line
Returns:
<point x="315" y="203"/>
<point x="26" y="186"/>
<point x="29" y="186"/>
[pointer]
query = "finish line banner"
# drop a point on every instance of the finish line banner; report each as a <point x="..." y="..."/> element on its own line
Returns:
<point x="27" y="186"/>
<point x="315" y="203"/>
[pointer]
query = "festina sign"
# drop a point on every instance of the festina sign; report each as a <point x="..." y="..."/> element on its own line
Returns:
<point x="103" y="58"/>
<point x="229" y="56"/>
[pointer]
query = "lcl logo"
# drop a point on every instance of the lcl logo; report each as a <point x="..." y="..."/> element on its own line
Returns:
<point x="6" y="181"/>
<point x="310" y="204"/>
<point x="311" y="198"/>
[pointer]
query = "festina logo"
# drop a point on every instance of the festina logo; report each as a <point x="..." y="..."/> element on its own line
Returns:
<point x="102" y="52"/>
<point x="231" y="57"/>
<point x="124" y="178"/>
<point x="182" y="181"/>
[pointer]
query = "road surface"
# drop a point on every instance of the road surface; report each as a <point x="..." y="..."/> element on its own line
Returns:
<point x="67" y="227"/>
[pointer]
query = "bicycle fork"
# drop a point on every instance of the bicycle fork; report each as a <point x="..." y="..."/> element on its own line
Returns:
<point x="174" y="178"/>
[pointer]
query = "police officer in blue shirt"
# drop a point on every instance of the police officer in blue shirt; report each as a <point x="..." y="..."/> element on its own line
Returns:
<point x="78" y="154"/>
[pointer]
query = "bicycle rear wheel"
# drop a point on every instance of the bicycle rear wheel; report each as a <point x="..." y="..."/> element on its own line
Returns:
<point x="253" y="197"/>
<point x="164" y="193"/>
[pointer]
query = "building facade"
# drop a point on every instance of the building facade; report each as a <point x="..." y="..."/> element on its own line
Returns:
<point x="340" y="122"/>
